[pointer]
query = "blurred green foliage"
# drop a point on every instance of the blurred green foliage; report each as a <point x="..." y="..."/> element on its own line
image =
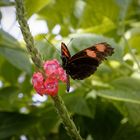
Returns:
<point x="105" y="106"/>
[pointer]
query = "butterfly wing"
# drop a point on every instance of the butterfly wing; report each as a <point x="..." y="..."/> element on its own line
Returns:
<point x="99" y="52"/>
<point x="85" y="62"/>
<point x="64" y="51"/>
<point x="65" y="56"/>
<point x="82" y="68"/>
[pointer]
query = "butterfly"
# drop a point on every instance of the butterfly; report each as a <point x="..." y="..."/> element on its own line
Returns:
<point x="85" y="62"/>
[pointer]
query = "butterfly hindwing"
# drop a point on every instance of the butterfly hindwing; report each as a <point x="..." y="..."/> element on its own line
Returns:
<point x="82" y="68"/>
<point x="85" y="62"/>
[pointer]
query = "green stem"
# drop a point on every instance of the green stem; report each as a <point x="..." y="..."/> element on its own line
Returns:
<point x="131" y="52"/>
<point x="36" y="57"/>
<point x="20" y="12"/>
<point x="122" y="33"/>
<point x="64" y="114"/>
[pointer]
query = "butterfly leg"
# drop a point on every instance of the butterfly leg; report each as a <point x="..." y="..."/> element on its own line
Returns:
<point x="68" y="83"/>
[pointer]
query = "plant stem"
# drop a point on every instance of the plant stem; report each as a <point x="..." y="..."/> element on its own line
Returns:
<point x="20" y="12"/>
<point x="131" y="52"/>
<point x="69" y="124"/>
<point x="36" y="57"/>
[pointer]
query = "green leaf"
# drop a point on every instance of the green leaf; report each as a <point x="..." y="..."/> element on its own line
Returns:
<point x="10" y="49"/>
<point x="48" y="119"/>
<point x="55" y="14"/>
<point x="127" y="132"/>
<point x="133" y="111"/>
<point x="133" y="11"/>
<point x="26" y="86"/>
<point x="106" y="121"/>
<point x="123" y="89"/>
<point x="105" y="26"/>
<point x="134" y="39"/>
<point x="120" y="95"/>
<point x="8" y="95"/>
<point x="9" y="73"/>
<point x="8" y="40"/>
<point x="129" y="111"/>
<point x="47" y="50"/>
<point x="17" y="58"/>
<point x="127" y="83"/>
<point x="36" y="6"/>
<point x="78" y="105"/>
<point x="15" y="122"/>
<point x="123" y="5"/>
<point x="6" y="3"/>
<point x="95" y="10"/>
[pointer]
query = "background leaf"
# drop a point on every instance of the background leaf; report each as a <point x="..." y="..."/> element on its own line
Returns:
<point x="11" y="51"/>
<point x="36" y="6"/>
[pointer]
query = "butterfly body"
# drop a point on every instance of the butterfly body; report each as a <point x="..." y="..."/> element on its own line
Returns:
<point x="85" y="62"/>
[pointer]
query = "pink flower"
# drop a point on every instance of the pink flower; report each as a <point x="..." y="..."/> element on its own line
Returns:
<point x="54" y="72"/>
<point x="62" y="74"/>
<point x="37" y="79"/>
<point x="38" y="82"/>
<point x="51" y="86"/>
<point x="51" y="67"/>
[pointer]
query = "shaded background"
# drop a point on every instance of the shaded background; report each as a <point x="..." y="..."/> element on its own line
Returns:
<point x="105" y="106"/>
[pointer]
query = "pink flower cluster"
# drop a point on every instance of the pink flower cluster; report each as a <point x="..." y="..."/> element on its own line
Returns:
<point x="54" y="73"/>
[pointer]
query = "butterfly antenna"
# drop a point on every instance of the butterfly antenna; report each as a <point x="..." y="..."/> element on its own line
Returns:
<point x="70" y="41"/>
<point x="48" y="41"/>
<point x="51" y="44"/>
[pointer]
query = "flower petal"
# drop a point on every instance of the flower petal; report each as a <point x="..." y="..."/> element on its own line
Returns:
<point x="51" y="67"/>
<point x="51" y="86"/>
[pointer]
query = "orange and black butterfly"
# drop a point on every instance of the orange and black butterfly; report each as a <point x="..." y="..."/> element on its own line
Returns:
<point x="85" y="62"/>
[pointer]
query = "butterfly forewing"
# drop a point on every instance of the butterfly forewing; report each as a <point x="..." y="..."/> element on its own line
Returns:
<point x="98" y="52"/>
<point x="64" y="51"/>
<point x="65" y="56"/>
